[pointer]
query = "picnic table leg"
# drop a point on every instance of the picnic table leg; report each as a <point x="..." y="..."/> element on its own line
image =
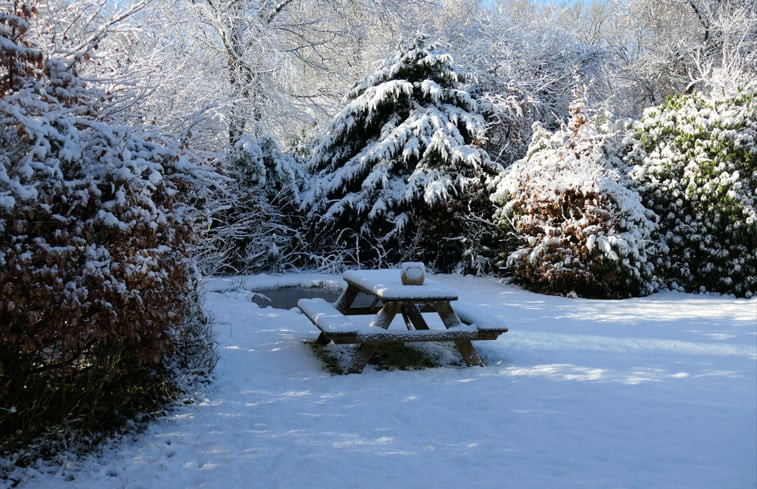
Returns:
<point x="322" y="340"/>
<point x="406" y="318"/>
<point x="413" y="314"/>
<point x="384" y="317"/>
<point x="449" y="318"/>
<point x="465" y="347"/>
<point x="468" y="353"/>
<point x="345" y="300"/>
<point x="363" y="353"/>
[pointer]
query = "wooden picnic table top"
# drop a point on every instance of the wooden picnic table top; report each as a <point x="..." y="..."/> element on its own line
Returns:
<point x="387" y="286"/>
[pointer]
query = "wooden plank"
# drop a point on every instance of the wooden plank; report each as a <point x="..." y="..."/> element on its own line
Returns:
<point x="342" y="338"/>
<point x="363" y="354"/>
<point x="327" y="317"/>
<point x="488" y="334"/>
<point x="322" y="339"/>
<point x="361" y="311"/>
<point x="406" y="319"/>
<point x="385" y="316"/>
<point x="449" y="318"/>
<point x="377" y="335"/>
<point x="469" y="354"/>
<point x="484" y="322"/>
<point x="464" y="346"/>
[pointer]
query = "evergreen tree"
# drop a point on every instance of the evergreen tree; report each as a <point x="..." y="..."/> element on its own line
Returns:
<point x="255" y="220"/>
<point x="400" y="167"/>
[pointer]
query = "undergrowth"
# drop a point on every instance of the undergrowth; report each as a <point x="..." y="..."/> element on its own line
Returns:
<point x="388" y="356"/>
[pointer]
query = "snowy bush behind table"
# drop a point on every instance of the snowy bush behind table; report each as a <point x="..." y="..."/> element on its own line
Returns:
<point x="575" y="224"/>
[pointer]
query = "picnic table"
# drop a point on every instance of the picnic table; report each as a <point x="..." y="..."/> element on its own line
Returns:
<point x="364" y="312"/>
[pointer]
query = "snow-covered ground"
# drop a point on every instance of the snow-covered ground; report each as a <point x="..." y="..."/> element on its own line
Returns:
<point x="658" y="392"/>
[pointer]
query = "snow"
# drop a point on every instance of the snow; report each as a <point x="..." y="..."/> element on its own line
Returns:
<point x="654" y="392"/>
<point x="417" y="143"/>
<point x="327" y="317"/>
<point x="387" y="284"/>
<point x="572" y="212"/>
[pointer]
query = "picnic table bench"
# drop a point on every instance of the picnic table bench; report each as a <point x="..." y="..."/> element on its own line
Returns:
<point x="347" y="321"/>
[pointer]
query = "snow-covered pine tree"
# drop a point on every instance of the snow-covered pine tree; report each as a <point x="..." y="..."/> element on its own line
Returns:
<point x="399" y="171"/>
<point x="260" y="162"/>
<point x="574" y="224"/>
<point x="695" y="163"/>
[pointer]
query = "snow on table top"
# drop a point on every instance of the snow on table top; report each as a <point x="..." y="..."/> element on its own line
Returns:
<point x="387" y="285"/>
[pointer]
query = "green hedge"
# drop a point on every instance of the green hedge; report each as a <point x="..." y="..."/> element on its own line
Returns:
<point x="694" y="160"/>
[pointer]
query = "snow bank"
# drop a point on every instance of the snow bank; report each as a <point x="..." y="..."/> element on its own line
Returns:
<point x="654" y="392"/>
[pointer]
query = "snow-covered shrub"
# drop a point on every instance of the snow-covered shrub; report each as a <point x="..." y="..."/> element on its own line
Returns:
<point x="573" y="224"/>
<point x="695" y="163"/>
<point x="255" y="216"/>
<point x="96" y="282"/>
<point x="400" y="167"/>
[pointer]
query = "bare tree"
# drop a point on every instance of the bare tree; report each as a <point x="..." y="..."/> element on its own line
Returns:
<point x="524" y="67"/>
<point x="662" y="47"/>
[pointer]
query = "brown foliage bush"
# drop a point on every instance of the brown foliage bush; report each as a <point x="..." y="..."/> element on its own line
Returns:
<point x="95" y="275"/>
<point x="565" y="263"/>
<point x="573" y="224"/>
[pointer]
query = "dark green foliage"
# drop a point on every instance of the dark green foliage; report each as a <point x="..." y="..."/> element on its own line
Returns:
<point x="256" y="220"/>
<point x="695" y="162"/>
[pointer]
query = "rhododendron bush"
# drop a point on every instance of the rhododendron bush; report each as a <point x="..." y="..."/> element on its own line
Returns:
<point x="573" y="224"/>
<point x="695" y="162"/>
